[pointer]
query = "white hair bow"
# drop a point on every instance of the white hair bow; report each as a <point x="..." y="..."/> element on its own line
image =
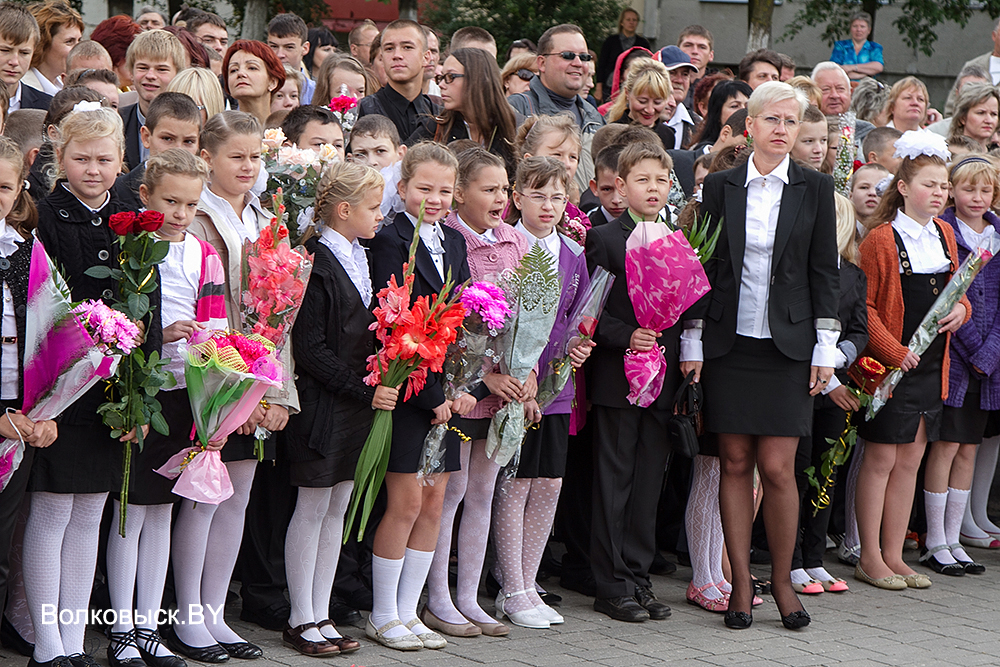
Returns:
<point x="86" y="105"/>
<point x="915" y="143"/>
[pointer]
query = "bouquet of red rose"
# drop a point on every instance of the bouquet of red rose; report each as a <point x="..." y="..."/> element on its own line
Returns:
<point x="273" y="282"/>
<point x="414" y="341"/>
<point x="139" y="376"/>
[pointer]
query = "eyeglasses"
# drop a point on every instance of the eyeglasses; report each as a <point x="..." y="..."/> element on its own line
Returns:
<point x="540" y="199"/>
<point x="570" y="56"/>
<point x="774" y="121"/>
<point x="525" y="74"/>
<point x="448" y="77"/>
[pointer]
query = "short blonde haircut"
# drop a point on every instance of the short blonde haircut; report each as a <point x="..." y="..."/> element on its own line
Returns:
<point x="637" y="152"/>
<point x="976" y="169"/>
<point x="81" y="126"/>
<point x="202" y="86"/>
<point x="773" y="92"/>
<point x="426" y="151"/>
<point x="809" y="87"/>
<point x="645" y="75"/>
<point x="295" y="76"/>
<point x="847" y="230"/>
<point x="157" y="45"/>
<point x="532" y="132"/>
<point x="528" y="61"/>
<point x="901" y="87"/>
<point x="174" y="162"/>
<point x="344" y="182"/>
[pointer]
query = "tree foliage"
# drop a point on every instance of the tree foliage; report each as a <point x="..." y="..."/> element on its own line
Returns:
<point x="510" y="20"/>
<point x="917" y="21"/>
<point x="312" y="12"/>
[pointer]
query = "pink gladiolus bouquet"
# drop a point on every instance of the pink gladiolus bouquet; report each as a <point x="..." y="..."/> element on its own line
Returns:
<point x="227" y="374"/>
<point x="274" y="281"/>
<point x="64" y="355"/>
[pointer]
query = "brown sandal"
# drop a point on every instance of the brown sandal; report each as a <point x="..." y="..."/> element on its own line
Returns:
<point x="344" y="643"/>
<point x="292" y="638"/>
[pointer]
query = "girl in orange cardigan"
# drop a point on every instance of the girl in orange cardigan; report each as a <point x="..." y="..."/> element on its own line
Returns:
<point x="908" y="258"/>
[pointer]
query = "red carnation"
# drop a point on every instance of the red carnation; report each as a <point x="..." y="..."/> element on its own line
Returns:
<point x="150" y="221"/>
<point x="123" y="223"/>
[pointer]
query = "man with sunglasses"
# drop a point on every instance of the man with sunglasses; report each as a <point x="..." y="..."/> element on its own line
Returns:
<point x="563" y="68"/>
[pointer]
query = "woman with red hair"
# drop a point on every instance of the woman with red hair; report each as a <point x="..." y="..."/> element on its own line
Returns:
<point x="251" y="73"/>
<point x="115" y="34"/>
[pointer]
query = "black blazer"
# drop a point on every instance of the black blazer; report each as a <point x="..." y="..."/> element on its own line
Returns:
<point x="606" y="248"/>
<point x="331" y="344"/>
<point x="389" y="251"/>
<point x="853" y="312"/>
<point x="126" y="188"/>
<point x="597" y="217"/>
<point x="805" y="280"/>
<point x="130" y="117"/>
<point x="684" y="169"/>
<point x="34" y="99"/>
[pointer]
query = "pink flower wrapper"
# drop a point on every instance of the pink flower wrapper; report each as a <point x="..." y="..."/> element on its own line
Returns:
<point x="204" y="480"/>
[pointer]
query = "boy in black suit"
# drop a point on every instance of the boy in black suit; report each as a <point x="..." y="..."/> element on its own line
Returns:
<point x="603" y="185"/>
<point x="18" y="38"/>
<point x="630" y="443"/>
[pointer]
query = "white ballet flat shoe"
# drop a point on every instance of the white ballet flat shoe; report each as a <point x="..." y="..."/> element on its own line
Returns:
<point x="529" y="618"/>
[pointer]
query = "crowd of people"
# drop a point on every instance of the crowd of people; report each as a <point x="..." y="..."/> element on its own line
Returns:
<point x="562" y="149"/>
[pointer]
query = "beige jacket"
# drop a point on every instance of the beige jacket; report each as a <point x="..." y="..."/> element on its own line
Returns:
<point x="214" y="230"/>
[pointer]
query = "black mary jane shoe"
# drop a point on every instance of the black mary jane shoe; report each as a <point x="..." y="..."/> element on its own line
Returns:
<point x="117" y="643"/>
<point x="212" y="654"/>
<point x="738" y="620"/>
<point x="796" y="620"/>
<point x="146" y="641"/>
<point x="955" y="569"/>
<point x="971" y="566"/>
<point x="61" y="661"/>
<point x="243" y="650"/>
<point x="81" y="660"/>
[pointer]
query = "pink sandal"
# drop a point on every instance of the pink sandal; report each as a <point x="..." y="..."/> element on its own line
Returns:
<point x="696" y="596"/>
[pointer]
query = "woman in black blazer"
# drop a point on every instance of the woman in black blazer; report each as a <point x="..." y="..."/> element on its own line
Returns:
<point x="770" y="335"/>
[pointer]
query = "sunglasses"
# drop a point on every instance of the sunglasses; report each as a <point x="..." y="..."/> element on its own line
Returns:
<point x="448" y="77"/>
<point x="571" y="55"/>
<point x="525" y="74"/>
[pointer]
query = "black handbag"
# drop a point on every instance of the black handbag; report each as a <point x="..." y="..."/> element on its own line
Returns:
<point x="685" y="424"/>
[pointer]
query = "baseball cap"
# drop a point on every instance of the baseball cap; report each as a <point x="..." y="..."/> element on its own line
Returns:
<point x="672" y="58"/>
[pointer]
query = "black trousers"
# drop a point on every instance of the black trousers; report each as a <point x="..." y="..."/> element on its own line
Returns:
<point x="810" y="542"/>
<point x="573" y="516"/>
<point x="10" y="503"/>
<point x="630" y="455"/>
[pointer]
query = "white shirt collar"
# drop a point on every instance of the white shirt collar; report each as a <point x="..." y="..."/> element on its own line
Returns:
<point x="907" y="225"/>
<point x="238" y="218"/>
<point x="550" y="243"/>
<point x="489" y="235"/>
<point x="335" y="238"/>
<point x="48" y="87"/>
<point x="107" y="197"/>
<point x="680" y="116"/>
<point x="780" y="172"/>
<point x="9" y="239"/>
<point x="426" y="229"/>
<point x="15" y="102"/>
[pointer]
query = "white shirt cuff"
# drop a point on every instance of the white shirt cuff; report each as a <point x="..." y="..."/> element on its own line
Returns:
<point x="834" y="383"/>
<point x="825" y="353"/>
<point x="691" y="345"/>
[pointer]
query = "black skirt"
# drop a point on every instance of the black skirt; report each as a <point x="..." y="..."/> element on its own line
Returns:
<point x="477" y="429"/>
<point x="146" y="486"/>
<point x="543" y="453"/>
<point x="83" y="459"/>
<point x="967" y="424"/>
<point x="404" y="457"/>
<point x="243" y="448"/>
<point x="754" y="389"/>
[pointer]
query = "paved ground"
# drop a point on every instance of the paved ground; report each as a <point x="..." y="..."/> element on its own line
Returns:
<point x="955" y="622"/>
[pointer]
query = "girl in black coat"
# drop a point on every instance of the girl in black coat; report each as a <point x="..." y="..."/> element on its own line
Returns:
<point x="331" y="343"/>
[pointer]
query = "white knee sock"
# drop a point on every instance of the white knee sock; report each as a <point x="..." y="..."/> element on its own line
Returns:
<point x="123" y="558"/>
<point x="438" y="589"/>
<point x="934" y="507"/>
<point x="416" y="565"/>
<point x="953" y="514"/>
<point x="385" y="586"/>
<point x="154" y="557"/>
<point x="79" y="560"/>
<point x="43" y="540"/>
<point x="188" y="554"/>
<point x="986" y="466"/>
<point x="223" y="547"/>
<point x="301" y="546"/>
<point x="328" y="554"/>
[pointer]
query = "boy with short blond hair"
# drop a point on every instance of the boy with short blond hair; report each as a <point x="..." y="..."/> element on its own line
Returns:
<point x="630" y="443"/>
<point x="19" y="36"/>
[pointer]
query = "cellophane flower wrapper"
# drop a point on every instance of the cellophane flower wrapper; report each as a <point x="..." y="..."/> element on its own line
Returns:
<point x="296" y="172"/>
<point x="665" y="277"/>
<point x="223" y="389"/>
<point x="62" y="360"/>
<point x="928" y="329"/>
<point x="467" y="361"/>
<point x="533" y="292"/>
<point x="843" y="167"/>
<point x="582" y="323"/>
<point x="274" y="280"/>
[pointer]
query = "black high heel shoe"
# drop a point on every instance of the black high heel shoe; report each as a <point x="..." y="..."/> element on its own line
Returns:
<point x="796" y="620"/>
<point x="741" y="620"/>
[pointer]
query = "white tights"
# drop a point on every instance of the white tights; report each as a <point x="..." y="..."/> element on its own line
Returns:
<point x="312" y="549"/>
<point x="206" y="543"/>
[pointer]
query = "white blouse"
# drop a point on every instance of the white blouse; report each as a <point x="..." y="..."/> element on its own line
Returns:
<point x="180" y="276"/>
<point x="8" y="326"/>
<point x="923" y="245"/>
<point x="245" y="224"/>
<point x="352" y="257"/>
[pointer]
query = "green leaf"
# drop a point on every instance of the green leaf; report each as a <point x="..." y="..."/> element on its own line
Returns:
<point x="139" y="305"/>
<point x="159" y="252"/>
<point x="159" y="424"/>
<point x="99" y="271"/>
